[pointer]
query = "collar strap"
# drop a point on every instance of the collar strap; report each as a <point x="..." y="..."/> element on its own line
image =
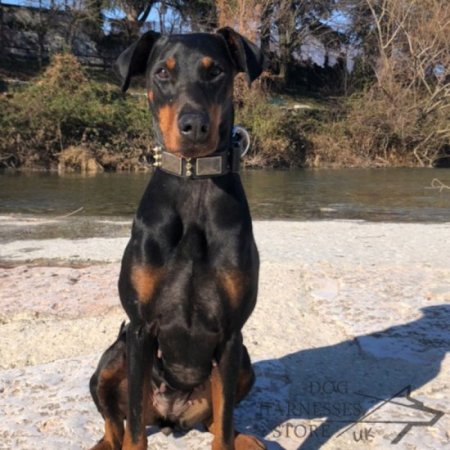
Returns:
<point x="214" y="165"/>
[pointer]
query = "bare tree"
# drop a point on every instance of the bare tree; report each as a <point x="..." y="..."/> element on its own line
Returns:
<point x="286" y="24"/>
<point x="136" y="13"/>
<point x="413" y="68"/>
<point x="198" y="15"/>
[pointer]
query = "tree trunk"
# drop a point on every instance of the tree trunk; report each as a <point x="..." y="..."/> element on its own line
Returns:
<point x="285" y="54"/>
<point x="2" y="35"/>
<point x="266" y="22"/>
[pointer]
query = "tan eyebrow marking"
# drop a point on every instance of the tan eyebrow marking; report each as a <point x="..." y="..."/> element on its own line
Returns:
<point x="207" y="62"/>
<point x="171" y="63"/>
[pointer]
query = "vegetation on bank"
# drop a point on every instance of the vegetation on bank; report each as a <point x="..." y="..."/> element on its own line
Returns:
<point x="65" y="118"/>
<point x="392" y="109"/>
<point x="66" y="121"/>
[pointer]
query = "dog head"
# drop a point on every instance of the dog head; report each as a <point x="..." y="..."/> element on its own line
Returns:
<point x="190" y="85"/>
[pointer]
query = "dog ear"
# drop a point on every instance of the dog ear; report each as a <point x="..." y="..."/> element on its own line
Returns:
<point x="133" y="60"/>
<point x="246" y="56"/>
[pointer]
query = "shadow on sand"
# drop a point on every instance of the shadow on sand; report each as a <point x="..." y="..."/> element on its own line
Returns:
<point x="333" y="389"/>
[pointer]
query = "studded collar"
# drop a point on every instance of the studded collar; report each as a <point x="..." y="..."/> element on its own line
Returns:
<point x="214" y="165"/>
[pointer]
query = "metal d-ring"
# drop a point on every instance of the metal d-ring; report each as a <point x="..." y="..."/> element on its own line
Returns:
<point x="241" y="139"/>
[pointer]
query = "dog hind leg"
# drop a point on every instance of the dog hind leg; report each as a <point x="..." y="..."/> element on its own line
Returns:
<point x="108" y="386"/>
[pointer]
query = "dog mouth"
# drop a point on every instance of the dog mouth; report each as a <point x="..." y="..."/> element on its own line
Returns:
<point x="197" y="148"/>
<point x="195" y="151"/>
<point x="187" y="149"/>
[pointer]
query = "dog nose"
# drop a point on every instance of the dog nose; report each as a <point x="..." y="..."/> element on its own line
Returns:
<point x="194" y="126"/>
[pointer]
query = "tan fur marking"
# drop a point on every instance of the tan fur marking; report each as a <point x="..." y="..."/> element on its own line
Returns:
<point x="171" y="63"/>
<point x="109" y="380"/>
<point x="247" y="442"/>
<point x="207" y="62"/>
<point x="110" y="374"/>
<point x="150" y="95"/>
<point x="167" y="116"/>
<point x="128" y="443"/>
<point x="113" y="433"/>
<point x="145" y="279"/>
<point x="217" y="409"/>
<point x="200" y="409"/>
<point x="215" y="114"/>
<point x="234" y="284"/>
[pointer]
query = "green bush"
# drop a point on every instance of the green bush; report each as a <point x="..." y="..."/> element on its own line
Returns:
<point x="62" y="109"/>
<point x="278" y="137"/>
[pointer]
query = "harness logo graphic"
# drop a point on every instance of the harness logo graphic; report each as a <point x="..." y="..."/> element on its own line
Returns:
<point x="345" y="410"/>
<point x="405" y="410"/>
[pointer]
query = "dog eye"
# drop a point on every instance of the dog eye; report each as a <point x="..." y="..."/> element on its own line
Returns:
<point x="162" y="73"/>
<point x="215" y="72"/>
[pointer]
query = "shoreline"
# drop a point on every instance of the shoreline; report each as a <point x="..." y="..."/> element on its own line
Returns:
<point x="343" y="241"/>
<point x="360" y="306"/>
<point x="132" y="167"/>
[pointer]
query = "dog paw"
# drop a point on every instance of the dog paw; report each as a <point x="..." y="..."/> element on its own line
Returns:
<point x="247" y="442"/>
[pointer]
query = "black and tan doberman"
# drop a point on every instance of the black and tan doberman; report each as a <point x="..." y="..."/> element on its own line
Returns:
<point x="189" y="274"/>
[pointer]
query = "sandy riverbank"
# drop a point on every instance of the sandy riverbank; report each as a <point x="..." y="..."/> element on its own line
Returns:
<point x="348" y="313"/>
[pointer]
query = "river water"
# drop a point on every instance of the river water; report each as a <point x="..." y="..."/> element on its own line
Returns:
<point x="393" y="195"/>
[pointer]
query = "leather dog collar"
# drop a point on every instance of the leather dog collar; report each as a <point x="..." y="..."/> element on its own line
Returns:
<point x="214" y="165"/>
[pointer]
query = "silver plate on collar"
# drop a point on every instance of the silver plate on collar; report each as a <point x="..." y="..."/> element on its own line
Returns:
<point x="211" y="165"/>
<point x="172" y="163"/>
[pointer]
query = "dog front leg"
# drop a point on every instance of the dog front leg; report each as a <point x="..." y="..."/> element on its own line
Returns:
<point x="140" y="353"/>
<point x="224" y="379"/>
